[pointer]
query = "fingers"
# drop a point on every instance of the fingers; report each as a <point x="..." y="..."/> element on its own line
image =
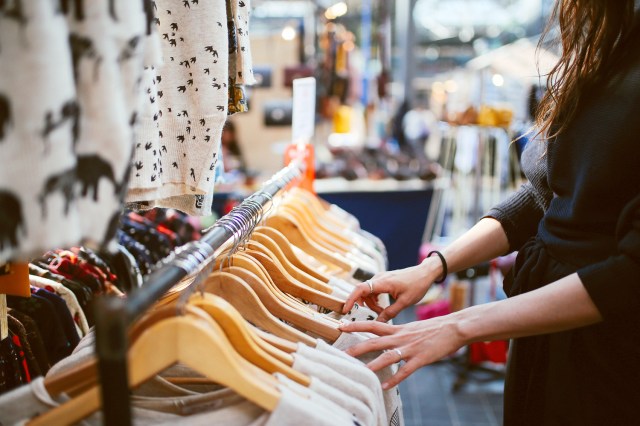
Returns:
<point x="386" y="359"/>
<point x="377" y="328"/>
<point x="403" y="372"/>
<point x="372" y="303"/>
<point x="371" y="345"/>
<point x="390" y="312"/>
<point x="361" y="291"/>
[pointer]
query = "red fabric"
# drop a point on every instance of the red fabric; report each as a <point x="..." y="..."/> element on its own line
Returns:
<point x="23" y="359"/>
<point x="68" y="270"/>
<point x="169" y="233"/>
<point x="432" y="310"/>
<point x="489" y="351"/>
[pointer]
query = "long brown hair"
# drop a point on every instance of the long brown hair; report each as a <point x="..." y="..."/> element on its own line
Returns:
<point x="593" y="34"/>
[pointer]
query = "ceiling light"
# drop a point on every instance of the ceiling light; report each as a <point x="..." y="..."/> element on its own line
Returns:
<point x="337" y="10"/>
<point x="289" y="33"/>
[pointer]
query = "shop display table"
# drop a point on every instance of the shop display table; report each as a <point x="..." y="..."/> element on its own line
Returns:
<point x="395" y="211"/>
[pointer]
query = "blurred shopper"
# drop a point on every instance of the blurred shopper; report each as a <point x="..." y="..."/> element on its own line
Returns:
<point x="231" y="151"/>
<point x="574" y="305"/>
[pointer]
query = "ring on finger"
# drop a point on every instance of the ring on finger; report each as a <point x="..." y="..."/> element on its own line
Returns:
<point x="370" y="284"/>
<point x="399" y="352"/>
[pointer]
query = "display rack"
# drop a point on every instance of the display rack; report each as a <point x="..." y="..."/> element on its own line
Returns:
<point x="114" y="315"/>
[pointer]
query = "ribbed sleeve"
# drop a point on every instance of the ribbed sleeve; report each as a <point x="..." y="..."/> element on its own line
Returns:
<point x="520" y="214"/>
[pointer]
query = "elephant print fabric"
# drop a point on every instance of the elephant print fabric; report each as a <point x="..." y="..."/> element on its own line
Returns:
<point x="184" y="109"/>
<point x="66" y="128"/>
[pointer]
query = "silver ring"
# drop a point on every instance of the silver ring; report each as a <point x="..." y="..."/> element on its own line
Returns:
<point x="370" y="284"/>
<point x="399" y="352"/>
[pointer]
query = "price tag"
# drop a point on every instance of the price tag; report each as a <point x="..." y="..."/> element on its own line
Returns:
<point x="304" y="110"/>
<point x="14" y="279"/>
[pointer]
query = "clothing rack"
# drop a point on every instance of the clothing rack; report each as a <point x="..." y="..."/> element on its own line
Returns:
<point x="114" y="315"/>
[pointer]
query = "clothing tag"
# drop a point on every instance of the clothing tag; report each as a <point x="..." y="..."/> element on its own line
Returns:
<point x="14" y="279"/>
<point x="4" y="320"/>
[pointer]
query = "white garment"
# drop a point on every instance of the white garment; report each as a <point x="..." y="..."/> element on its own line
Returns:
<point x="20" y="405"/>
<point x="339" y="293"/>
<point x="355" y="380"/>
<point x="334" y="401"/>
<point x="330" y="397"/>
<point x="363" y="260"/>
<point x="357" y="313"/>
<point x="160" y="395"/>
<point x="341" y="284"/>
<point x="68" y="92"/>
<point x="350" y="220"/>
<point x="392" y="400"/>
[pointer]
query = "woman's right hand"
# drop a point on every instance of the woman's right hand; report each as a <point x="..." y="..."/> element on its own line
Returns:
<point x="407" y="286"/>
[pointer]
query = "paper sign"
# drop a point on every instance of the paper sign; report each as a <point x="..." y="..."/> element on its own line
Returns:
<point x="304" y="110"/>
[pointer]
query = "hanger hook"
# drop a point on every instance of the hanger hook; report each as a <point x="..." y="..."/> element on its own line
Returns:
<point x="246" y="214"/>
<point x="256" y="212"/>
<point x="226" y="223"/>
<point x="193" y="258"/>
<point x="269" y="206"/>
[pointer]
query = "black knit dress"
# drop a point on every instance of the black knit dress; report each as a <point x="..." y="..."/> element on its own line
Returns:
<point x="581" y="213"/>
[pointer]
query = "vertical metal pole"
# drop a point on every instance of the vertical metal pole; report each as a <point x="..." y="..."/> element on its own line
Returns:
<point x="111" y="348"/>
<point x="405" y="46"/>
<point x="365" y="32"/>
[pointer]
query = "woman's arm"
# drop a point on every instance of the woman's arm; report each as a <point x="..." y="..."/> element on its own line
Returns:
<point x="562" y="305"/>
<point x="483" y="242"/>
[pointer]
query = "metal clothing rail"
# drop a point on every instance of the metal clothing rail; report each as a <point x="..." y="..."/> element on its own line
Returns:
<point x="113" y="315"/>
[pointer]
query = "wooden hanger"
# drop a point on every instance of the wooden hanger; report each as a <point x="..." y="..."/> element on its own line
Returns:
<point x="242" y="260"/>
<point x="269" y="247"/>
<point x="231" y="286"/>
<point x="306" y="320"/>
<point x="179" y="340"/>
<point x="332" y="239"/>
<point x="315" y="233"/>
<point x="319" y="206"/>
<point x="328" y="230"/>
<point x="284" y="245"/>
<point x="173" y="308"/>
<point x="71" y="381"/>
<point x="289" y="226"/>
<point x="278" y="342"/>
<point x="278" y="288"/>
<point x="244" y="341"/>
<point x="290" y="285"/>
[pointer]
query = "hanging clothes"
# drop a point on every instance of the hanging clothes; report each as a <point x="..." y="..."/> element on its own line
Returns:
<point x="177" y="148"/>
<point x="68" y="99"/>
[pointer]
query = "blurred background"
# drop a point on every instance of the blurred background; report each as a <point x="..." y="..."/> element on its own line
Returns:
<point x="422" y="110"/>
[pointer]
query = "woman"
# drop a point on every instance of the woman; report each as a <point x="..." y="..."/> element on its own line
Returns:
<point x="574" y="305"/>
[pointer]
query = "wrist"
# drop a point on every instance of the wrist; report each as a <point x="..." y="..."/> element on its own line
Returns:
<point x="469" y="324"/>
<point x="433" y="268"/>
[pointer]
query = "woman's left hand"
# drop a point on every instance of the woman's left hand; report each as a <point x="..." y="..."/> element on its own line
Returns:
<point x="420" y="343"/>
